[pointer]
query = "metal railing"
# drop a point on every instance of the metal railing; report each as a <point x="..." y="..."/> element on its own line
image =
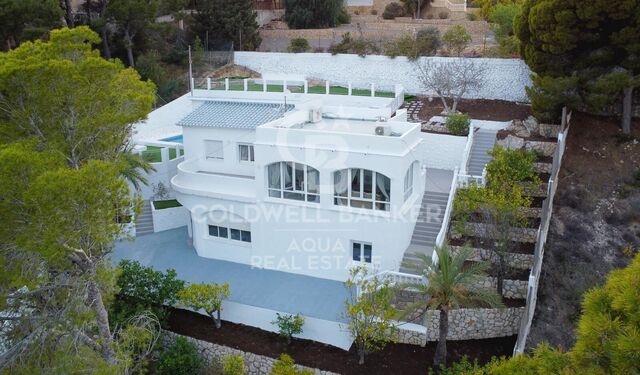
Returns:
<point x="467" y="150"/>
<point x="541" y="238"/>
<point x="465" y="180"/>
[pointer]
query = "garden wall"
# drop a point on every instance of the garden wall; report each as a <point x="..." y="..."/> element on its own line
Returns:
<point x="255" y="364"/>
<point x="464" y="324"/>
<point x="444" y="151"/>
<point x="506" y="78"/>
<point x="169" y="218"/>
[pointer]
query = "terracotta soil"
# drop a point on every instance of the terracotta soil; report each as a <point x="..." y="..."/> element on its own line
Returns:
<point x="394" y="359"/>
<point x="480" y="109"/>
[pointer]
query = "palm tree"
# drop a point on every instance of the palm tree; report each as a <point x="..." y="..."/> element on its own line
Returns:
<point x="134" y="165"/>
<point x="450" y="284"/>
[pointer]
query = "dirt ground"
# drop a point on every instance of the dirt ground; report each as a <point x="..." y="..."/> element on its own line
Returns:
<point x="496" y="110"/>
<point x="595" y="225"/>
<point x="394" y="359"/>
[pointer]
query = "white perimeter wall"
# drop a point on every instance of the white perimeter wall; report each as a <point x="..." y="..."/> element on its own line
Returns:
<point x="506" y="78"/>
<point x="442" y="151"/>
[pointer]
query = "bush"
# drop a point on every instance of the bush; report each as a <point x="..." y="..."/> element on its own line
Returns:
<point x="443" y="15"/>
<point x="207" y="297"/>
<point x="306" y="14"/>
<point x="456" y="38"/>
<point x="472" y="16"/>
<point x="297" y="45"/>
<point x="360" y="46"/>
<point x="343" y="17"/>
<point x="374" y="12"/>
<point x="233" y="365"/>
<point x="458" y="123"/>
<point x="149" y="290"/>
<point x="393" y="10"/>
<point x="289" y="325"/>
<point x="428" y="41"/>
<point x="285" y="365"/>
<point x="180" y="358"/>
<point x="510" y="167"/>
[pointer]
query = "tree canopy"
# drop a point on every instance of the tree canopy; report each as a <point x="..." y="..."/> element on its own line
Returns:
<point x="22" y="20"/>
<point x="597" y="42"/>
<point x="227" y="21"/>
<point x="312" y="14"/>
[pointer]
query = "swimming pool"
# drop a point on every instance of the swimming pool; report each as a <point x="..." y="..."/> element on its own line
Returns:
<point x="175" y="138"/>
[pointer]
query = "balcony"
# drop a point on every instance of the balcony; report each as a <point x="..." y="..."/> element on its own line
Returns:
<point x="193" y="179"/>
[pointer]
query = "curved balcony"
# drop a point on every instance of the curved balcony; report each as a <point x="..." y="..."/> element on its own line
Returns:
<point x="192" y="179"/>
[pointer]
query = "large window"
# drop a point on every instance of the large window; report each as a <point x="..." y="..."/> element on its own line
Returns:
<point x="361" y="251"/>
<point x="230" y="233"/>
<point x="295" y="181"/>
<point x="245" y="152"/>
<point x="408" y="182"/>
<point x="362" y="188"/>
<point x="213" y="150"/>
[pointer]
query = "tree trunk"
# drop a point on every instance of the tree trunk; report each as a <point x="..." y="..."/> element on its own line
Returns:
<point x="128" y="42"/>
<point x="102" y="318"/>
<point x="627" y="104"/>
<point x="105" y="43"/>
<point x="68" y="14"/>
<point x="441" y="348"/>
<point x="217" y="320"/>
<point x="361" y="354"/>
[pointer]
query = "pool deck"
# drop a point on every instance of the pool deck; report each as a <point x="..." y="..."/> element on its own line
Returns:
<point x="273" y="290"/>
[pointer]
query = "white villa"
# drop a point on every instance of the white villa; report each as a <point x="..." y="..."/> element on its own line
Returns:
<point x="284" y="192"/>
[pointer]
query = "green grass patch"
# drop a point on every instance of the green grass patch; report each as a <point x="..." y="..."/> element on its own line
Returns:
<point x="169" y="203"/>
<point x="153" y="154"/>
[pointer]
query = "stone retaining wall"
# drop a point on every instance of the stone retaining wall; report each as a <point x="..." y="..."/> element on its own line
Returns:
<point x="465" y="324"/>
<point x="514" y="260"/>
<point x="525" y="235"/>
<point x="514" y="289"/>
<point x="255" y="364"/>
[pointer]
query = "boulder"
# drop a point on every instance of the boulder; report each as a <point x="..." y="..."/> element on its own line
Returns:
<point x="517" y="127"/>
<point x="511" y="142"/>
<point x="532" y="125"/>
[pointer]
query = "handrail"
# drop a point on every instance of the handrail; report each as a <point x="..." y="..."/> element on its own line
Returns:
<point x="467" y="150"/>
<point x="442" y="235"/>
<point x="395" y="277"/>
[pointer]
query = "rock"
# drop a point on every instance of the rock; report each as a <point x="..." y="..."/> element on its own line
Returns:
<point x="532" y="125"/>
<point x="511" y="142"/>
<point x="545" y="148"/>
<point x="517" y="127"/>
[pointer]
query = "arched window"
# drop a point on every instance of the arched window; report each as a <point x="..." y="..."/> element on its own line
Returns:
<point x="361" y="188"/>
<point x="290" y="180"/>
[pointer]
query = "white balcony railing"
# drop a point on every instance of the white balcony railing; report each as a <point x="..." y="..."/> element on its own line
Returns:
<point x="192" y="179"/>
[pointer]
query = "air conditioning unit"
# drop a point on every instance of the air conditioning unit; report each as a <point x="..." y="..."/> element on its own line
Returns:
<point x="383" y="130"/>
<point x="315" y="115"/>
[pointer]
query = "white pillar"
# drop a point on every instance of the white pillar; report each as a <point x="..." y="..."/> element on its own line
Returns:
<point x="327" y="87"/>
<point x="245" y="83"/>
<point x="373" y="89"/>
<point x="208" y="83"/>
<point x="349" y="88"/>
<point x="264" y="85"/>
<point x="284" y="86"/>
<point x="226" y="84"/>
<point x="193" y="84"/>
<point x="164" y="154"/>
<point x="306" y="86"/>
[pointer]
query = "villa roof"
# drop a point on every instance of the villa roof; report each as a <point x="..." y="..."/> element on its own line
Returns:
<point x="235" y="115"/>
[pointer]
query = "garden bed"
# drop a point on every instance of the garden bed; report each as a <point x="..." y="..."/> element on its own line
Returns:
<point x="512" y="273"/>
<point x="395" y="358"/>
<point x="169" y="203"/>
<point x="482" y="243"/>
<point x="479" y="109"/>
<point x="531" y="222"/>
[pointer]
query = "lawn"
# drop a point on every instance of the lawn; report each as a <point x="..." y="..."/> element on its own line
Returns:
<point x="153" y="154"/>
<point x="169" y="203"/>
<point x="235" y="85"/>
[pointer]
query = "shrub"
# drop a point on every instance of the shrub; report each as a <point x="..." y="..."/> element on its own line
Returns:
<point x="472" y="16"/>
<point x="343" y="17"/>
<point x="443" y="15"/>
<point x="360" y="46"/>
<point x="428" y="41"/>
<point x="429" y="16"/>
<point x="180" y="358"/>
<point x="289" y="325"/>
<point x="510" y="167"/>
<point x="456" y="38"/>
<point x="297" y="45"/>
<point x="149" y="290"/>
<point x="285" y="365"/>
<point x="458" y="123"/>
<point x="393" y="10"/>
<point x="374" y="12"/>
<point x="305" y="14"/>
<point x="233" y="365"/>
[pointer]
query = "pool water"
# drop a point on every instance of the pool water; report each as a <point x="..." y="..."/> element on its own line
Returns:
<point x="175" y="138"/>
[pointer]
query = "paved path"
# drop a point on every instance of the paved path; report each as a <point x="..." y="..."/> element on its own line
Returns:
<point x="274" y="290"/>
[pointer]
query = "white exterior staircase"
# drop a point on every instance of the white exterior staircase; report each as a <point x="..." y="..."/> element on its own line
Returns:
<point x="483" y="141"/>
<point x="144" y="221"/>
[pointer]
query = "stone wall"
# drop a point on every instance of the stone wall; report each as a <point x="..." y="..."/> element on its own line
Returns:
<point x="506" y="79"/>
<point x="514" y="260"/>
<point x="525" y="235"/>
<point x="514" y="289"/>
<point x="465" y="324"/>
<point x="255" y="364"/>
